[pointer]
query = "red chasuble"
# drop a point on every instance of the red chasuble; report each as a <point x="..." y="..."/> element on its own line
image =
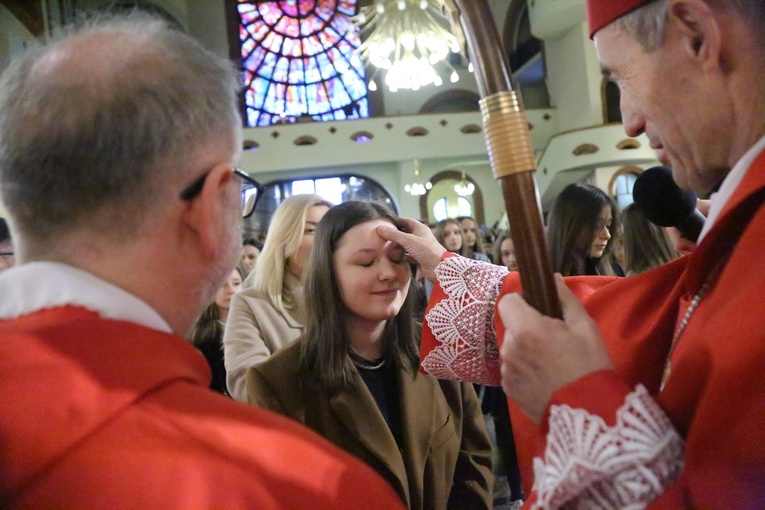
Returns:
<point x="617" y="437"/>
<point x="101" y="413"/>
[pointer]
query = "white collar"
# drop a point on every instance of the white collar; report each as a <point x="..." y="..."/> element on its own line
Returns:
<point x="729" y="185"/>
<point x="37" y="286"/>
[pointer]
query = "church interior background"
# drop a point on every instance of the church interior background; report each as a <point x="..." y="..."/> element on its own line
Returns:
<point x="320" y="116"/>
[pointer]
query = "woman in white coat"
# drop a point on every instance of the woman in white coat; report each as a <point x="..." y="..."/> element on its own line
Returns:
<point x="266" y="315"/>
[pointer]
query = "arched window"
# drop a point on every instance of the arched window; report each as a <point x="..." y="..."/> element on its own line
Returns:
<point x="334" y="188"/>
<point x="442" y="200"/>
<point x="611" y="97"/>
<point x="441" y="208"/>
<point x="298" y="60"/>
<point x="621" y="184"/>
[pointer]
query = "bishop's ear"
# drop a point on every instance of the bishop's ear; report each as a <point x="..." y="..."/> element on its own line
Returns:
<point x="698" y="27"/>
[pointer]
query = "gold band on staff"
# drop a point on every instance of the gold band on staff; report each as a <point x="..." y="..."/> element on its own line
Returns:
<point x="507" y="135"/>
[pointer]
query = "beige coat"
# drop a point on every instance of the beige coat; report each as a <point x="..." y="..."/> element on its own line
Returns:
<point x="256" y="329"/>
<point x="446" y="458"/>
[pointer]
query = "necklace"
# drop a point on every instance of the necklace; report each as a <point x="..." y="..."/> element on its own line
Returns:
<point x="363" y="363"/>
<point x="695" y="302"/>
<point x="368" y="367"/>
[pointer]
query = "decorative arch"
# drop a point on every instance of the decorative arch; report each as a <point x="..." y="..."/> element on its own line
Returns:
<point x="585" y="148"/>
<point x="305" y="140"/>
<point x="628" y="144"/>
<point x="478" y="210"/>
<point x="610" y="99"/>
<point x="631" y="169"/>
<point x="417" y="131"/>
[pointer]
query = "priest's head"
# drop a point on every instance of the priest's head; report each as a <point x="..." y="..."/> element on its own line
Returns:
<point x="690" y="74"/>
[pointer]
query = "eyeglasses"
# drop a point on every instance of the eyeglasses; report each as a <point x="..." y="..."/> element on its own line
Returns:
<point x="251" y="190"/>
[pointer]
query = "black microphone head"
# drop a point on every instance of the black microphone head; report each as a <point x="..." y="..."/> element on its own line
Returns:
<point x="661" y="199"/>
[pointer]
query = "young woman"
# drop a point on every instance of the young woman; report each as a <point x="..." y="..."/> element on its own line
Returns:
<point x="646" y="245"/>
<point x="353" y="376"/>
<point x="207" y="334"/>
<point x="250" y="251"/>
<point x="473" y="239"/>
<point x="266" y="315"/>
<point x="579" y="230"/>
<point x="450" y="235"/>
<point x="504" y="250"/>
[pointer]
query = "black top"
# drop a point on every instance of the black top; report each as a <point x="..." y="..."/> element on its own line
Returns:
<point x="381" y="383"/>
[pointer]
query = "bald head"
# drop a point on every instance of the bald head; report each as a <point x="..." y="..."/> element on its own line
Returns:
<point x="93" y="56"/>
<point x="98" y="124"/>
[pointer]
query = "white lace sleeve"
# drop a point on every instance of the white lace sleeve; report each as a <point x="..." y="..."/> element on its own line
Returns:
<point x="590" y="465"/>
<point x="463" y="323"/>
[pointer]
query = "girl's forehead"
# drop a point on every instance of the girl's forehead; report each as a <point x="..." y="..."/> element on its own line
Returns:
<point x="365" y="234"/>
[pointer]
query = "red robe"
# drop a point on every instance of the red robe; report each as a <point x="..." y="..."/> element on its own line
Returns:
<point x="714" y="398"/>
<point x="100" y="413"/>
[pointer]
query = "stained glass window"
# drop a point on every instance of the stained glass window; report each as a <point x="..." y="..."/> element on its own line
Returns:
<point x="299" y="60"/>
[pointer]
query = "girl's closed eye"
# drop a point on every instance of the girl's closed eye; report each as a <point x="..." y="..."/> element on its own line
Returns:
<point x="397" y="254"/>
<point x="398" y="257"/>
<point x="365" y="261"/>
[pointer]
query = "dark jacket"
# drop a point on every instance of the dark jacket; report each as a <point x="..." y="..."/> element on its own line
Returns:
<point x="446" y="458"/>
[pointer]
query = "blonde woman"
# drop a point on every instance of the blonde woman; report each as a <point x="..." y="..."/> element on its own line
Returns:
<point x="266" y="316"/>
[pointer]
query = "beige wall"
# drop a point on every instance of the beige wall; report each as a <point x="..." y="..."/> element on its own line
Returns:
<point x="574" y="77"/>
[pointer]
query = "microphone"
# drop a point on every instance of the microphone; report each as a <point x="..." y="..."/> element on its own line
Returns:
<point x="665" y="204"/>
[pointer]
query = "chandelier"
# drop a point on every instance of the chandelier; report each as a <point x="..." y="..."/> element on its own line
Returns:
<point x="464" y="188"/>
<point x="407" y="38"/>
<point x="416" y="188"/>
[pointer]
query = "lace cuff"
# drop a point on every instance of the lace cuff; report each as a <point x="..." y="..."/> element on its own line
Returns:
<point x="463" y="323"/>
<point x="588" y="464"/>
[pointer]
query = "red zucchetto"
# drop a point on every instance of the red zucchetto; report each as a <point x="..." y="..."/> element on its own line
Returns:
<point x="602" y="12"/>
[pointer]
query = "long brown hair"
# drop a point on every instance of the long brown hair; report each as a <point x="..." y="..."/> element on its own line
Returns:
<point x="208" y="328"/>
<point x="478" y="248"/>
<point x="646" y="245"/>
<point x="571" y="229"/>
<point x="440" y="233"/>
<point x="325" y="344"/>
<point x="505" y="234"/>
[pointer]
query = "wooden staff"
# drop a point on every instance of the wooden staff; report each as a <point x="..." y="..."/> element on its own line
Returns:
<point x="509" y="146"/>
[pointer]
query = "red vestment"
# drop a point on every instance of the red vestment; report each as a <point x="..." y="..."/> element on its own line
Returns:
<point x="714" y="397"/>
<point x="100" y="413"/>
